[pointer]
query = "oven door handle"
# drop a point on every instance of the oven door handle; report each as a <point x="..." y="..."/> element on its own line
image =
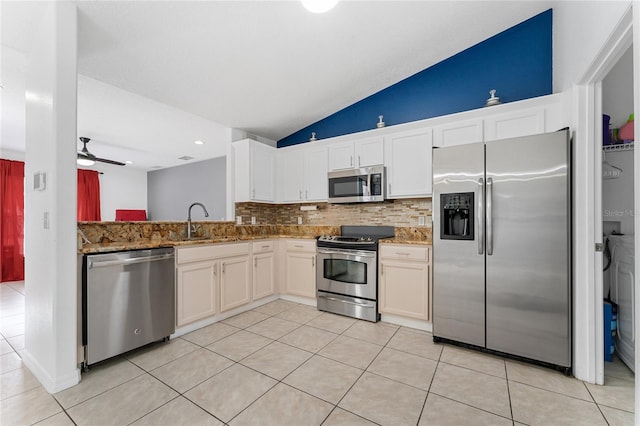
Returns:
<point x="335" y="299"/>
<point x="348" y="253"/>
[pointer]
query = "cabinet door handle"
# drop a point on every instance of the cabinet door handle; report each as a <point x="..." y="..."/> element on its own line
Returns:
<point x="306" y="194"/>
<point x="253" y="193"/>
<point x="301" y="194"/>
<point x="265" y="247"/>
<point x="298" y="245"/>
<point x="223" y="268"/>
<point x="313" y="262"/>
<point x="389" y="188"/>
<point x="215" y="269"/>
<point x="382" y="269"/>
<point x="359" y="161"/>
<point x="351" y="160"/>
<point x="402" y="253"/>
<point x="255" y="262"/>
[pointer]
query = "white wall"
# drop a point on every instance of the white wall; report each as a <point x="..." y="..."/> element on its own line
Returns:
<point x="617" y="91"/>
<point x="51" y="248"/>
<point x="12" y="106"/>
<point x="617" y="102"/>
<point x="9" y="154"/>
<point x="580" y="30"/>
<point x="171" y="191"/>
<point x="617" y="194"/>
<point x="121" y="187"/>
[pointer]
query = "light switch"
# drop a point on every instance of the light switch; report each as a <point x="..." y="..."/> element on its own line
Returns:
<point x="421" y="220"/>
<point x="299" y="220"/>
<point x="253" y="220"/>
<point x="45" y="220"/>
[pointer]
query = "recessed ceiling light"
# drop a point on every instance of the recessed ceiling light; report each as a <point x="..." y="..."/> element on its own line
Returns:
<point x="319" y="6"/>
<point x="129" y="162"/>
<point x="198" y="142"/>
<point x="186" y="158"/>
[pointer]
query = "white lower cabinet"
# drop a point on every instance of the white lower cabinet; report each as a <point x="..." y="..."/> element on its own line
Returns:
<point x="300" y="268"/>
<point x="405" y="281"/>
<point x="196" y="291"/>
<point x="264" y="269"/>
<point x="235" y="282"/>
<point x="211" y="279"/>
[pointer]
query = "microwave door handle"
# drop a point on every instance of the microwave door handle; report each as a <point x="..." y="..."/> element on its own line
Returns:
<point x="368" y="184"/>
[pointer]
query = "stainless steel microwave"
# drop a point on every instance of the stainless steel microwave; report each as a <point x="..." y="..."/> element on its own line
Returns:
<point x="361" y="185"/>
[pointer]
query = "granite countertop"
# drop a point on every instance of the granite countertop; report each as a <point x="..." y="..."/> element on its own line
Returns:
<point x="120" y="236"/>
<point x="149" y="244"/>
<point x="405" y="241"/>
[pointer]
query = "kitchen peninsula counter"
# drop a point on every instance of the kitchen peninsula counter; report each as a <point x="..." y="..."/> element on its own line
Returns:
<point x="118" y="236"/>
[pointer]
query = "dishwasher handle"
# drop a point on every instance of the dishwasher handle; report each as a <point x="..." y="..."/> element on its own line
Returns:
<point x="130" y="261"/>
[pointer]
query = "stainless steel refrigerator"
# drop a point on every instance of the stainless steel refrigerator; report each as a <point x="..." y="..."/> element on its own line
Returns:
<point x="502" y="246"/>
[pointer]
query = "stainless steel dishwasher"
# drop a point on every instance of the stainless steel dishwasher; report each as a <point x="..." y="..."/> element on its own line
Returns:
<point x="128" y="301"/>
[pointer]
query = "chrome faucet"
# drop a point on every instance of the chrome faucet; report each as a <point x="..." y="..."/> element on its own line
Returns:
<point x="206" y="214"/>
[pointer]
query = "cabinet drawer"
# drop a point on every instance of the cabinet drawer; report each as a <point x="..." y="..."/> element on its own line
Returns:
<point x="195" y="254"/>
<point x="395" y="251"/>
<point x="262" y="246"/>
<point x="308" y="246"/>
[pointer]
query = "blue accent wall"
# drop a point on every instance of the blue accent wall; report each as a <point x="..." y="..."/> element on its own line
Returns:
<point x="516" y="62"/>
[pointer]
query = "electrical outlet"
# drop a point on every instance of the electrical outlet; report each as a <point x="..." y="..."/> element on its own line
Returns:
<point x="239" y="220"/>
<point x="299" y="220"/>
<point x="421" y="220"/>
<point x="253" y="220"/>
<point x="45" y="220"/>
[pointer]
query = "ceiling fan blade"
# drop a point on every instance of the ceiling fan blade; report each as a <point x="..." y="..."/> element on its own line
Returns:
<point x="84" y="153"/>
<point x="86" y="156"/>
<point x="105" y="160"/>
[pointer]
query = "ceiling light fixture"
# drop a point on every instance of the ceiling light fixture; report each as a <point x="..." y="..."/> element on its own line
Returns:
<point x="198" y="142"/>
<point x="85" y="162"/>
<point x="129" y="162"/>
<point x="319" y="6"/>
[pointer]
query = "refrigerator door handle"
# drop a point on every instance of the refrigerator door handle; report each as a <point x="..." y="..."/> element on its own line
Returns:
<point x="489" y="216"/>
<point x="480" y="216"/>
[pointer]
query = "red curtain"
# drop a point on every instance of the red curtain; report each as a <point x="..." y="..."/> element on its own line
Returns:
<point x="11" y="220"/>
<point x="88" y="195"/>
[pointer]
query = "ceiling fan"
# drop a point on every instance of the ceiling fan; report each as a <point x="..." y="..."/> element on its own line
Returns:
<point x="85" y="158"/>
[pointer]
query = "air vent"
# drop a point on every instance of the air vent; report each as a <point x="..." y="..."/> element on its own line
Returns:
<point x="185" y="158"/>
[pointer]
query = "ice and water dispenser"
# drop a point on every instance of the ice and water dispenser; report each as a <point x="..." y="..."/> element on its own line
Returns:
<point x="457" y="216"/>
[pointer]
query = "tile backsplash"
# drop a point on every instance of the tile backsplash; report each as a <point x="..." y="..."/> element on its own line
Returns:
<point x="405" y="212"/>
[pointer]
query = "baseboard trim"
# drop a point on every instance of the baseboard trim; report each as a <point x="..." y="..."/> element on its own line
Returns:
<point x="51" y="385"/>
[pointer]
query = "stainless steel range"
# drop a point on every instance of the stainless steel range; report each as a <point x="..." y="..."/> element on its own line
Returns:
<point x="347" y="273"/>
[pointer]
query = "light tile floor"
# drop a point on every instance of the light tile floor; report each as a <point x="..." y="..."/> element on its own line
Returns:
<point x="288" y="364"/>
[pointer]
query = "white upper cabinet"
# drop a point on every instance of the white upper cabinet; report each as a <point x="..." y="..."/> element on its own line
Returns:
<point x="303" y="174"/>
<point x="511" y="120"/>
<point x="360" y="153"/>
<point x="514" y="124"/>
<point x="254" y="171"/>
<point x="316" y="166"/>
<point x="408" y="163"/>
<point x="529" y="117"/>
<point x="458" y="133"/>
<point x="291" y="172"/>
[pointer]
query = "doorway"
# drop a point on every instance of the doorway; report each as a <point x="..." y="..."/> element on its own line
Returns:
<point x="618" y="228"/>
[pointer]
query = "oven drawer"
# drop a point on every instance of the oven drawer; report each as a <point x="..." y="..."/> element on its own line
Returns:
<point x="349" y="306"/>
<point x="404" y="252"/>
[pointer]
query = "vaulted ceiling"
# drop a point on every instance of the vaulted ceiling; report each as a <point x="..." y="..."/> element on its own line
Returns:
<point x="266" y="67"/>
